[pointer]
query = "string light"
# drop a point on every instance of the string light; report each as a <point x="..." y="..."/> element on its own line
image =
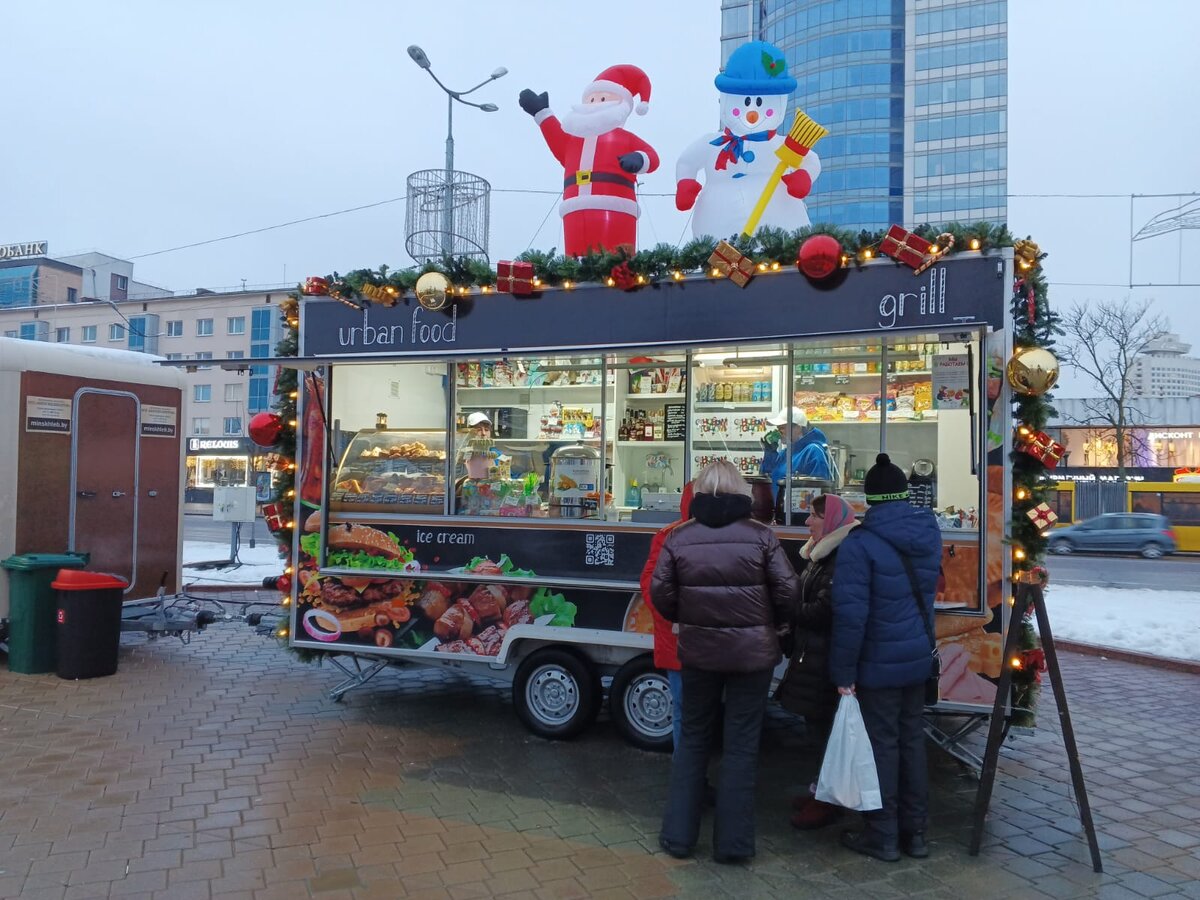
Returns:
<point x="845" y="259"/>
<point x="282" y="632"/>
<point x="775" y="267"/>
<point x="715" y="273"/>
<point x="1015" y="662"/>
<point x="1022" y="493"/>
<point x="1019" y="553"/>
<point x="974" y="243"/>
<point x="567" y="285"/>
<point x="486" y="289"/>
<point x="285" y="601"/>
<point x="641" y="279"/>
<point x="866" y="253"/>
<point x="610" y="282"/>
<point x="537" y="282"/>
<point x="762" y="267"/>
<point x="1012" y="601"/>
<point x="677" y="275"/>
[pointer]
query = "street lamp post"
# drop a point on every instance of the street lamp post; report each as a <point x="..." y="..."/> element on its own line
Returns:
<point x="418" y="56"/>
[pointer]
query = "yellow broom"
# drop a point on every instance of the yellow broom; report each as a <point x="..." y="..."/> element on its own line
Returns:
<point x="804" y="134"/>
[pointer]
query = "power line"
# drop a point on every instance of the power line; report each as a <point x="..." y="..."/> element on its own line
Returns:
<point x="547" y="192"/>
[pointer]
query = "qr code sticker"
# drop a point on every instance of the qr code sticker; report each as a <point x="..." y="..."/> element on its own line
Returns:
<point x="601" y="550"/>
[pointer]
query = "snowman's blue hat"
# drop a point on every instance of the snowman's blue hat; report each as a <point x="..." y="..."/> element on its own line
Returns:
<point x="756" y="67"/>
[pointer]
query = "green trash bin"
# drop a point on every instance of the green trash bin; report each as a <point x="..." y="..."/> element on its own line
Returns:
<point x="32" y="604"/>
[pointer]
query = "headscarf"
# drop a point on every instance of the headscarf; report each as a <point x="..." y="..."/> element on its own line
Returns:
<point x="837" y="513"/>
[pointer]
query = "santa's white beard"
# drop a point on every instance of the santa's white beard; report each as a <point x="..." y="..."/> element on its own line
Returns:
<point x="591" y="119"/>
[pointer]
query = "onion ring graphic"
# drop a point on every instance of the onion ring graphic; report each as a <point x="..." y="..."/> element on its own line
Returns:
<point x="326" y="618"/>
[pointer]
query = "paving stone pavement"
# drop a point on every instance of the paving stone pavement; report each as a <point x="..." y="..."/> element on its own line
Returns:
<point x="221" y="770"/>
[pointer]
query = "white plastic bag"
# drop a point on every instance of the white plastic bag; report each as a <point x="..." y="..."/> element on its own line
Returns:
<point x="848" y="777"/>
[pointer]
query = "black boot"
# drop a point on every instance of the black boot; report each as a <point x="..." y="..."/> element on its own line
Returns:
<point x="862" y="842"/>
<point x="914" y="845"/>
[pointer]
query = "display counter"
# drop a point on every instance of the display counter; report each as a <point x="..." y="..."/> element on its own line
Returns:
<point x="398" y="470"/>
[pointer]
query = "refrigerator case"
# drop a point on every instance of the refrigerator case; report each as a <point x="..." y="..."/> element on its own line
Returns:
<point x="400" y="470"/>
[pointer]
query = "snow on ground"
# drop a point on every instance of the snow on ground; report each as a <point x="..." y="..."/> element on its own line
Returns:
<point x="261" y="562"/>
<point x="1161" y="623"/>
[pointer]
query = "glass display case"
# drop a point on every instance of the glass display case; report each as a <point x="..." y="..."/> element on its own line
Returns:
<point x="392" y="470"/>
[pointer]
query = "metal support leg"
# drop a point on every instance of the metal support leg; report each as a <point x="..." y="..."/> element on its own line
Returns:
<point x="357" y="674"/>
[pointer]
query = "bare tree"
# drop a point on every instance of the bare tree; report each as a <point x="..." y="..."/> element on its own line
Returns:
<point x="1104" y="339"/>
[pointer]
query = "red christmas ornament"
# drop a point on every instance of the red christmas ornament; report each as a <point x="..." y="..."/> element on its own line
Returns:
<point x="623" y="277"/>
<point x="284" y="583"/>
<point x="265" y="428"/>
<point x="819" y="256"/>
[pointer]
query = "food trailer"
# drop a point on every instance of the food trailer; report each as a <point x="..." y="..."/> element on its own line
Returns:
<point x="494" y="469"/>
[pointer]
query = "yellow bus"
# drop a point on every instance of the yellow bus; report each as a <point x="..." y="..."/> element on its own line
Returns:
<point x="1178" y="501"/>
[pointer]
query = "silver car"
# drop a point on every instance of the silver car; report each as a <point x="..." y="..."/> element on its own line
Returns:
<point x="1144" y="533"/>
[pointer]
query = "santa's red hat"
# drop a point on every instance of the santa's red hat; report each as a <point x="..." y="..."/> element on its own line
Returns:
<point x="627" y="80"/>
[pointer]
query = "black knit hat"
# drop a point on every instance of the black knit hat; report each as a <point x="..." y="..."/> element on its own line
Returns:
<point x="885" y="481"/>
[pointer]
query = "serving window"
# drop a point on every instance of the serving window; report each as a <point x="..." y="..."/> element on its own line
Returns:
<point x="388" y="424"/>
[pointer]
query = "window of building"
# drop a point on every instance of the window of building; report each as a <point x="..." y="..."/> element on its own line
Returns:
<point x="62" y="335"/>
<point x="204" y="355"/>
<point x="72" y="295"/>
<point x="259" y="396"/>
<point x="233" y="425"/>
<point x="35" y="331"/>
<point x="174" y="356"/>
<point x="116" y="332"/>
<point x="18" y="286"/>
<point x="236" y="325"/>
<point x="175" y="328"/>
<point x="204" y="327"/>
<point x="260" y="324"/>
<point x="259" y="351"/>
<point x="233" y="393"/>
<point x="87" y="334"/>
<point x="122" y="283"/>
<point x="236" y="354"/>
<point x="11" y="333"/>
<point x="201" y="393"/>
<point x="200" y="425"/>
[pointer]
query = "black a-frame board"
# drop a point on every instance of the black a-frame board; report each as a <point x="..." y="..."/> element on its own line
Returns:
<point x="1027" y="595"/>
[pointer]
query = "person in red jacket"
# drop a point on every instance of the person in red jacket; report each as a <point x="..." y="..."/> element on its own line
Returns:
<point x="666" y="654"/>
<point x="600" y="159"/>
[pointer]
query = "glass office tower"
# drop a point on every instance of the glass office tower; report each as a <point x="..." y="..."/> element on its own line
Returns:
<point x="914" y="93"/>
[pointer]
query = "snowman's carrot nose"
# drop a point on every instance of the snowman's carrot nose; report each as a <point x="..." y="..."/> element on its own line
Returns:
<point x="752" y="116"/>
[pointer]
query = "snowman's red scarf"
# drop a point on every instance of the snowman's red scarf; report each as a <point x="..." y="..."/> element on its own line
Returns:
<point x="733" y="146"/>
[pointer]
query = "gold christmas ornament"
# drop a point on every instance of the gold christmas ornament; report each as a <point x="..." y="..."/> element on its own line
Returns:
<point x="1026" y="253"/>
<point x="432" y="290"/>
<point x="1032" y="371"/>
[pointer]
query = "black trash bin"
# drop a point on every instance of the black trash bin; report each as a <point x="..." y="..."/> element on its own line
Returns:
<point x="88" y="627"/>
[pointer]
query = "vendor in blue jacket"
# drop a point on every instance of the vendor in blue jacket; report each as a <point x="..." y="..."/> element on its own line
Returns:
<point x="810" y="448"/>
<point x="880" y="651"/>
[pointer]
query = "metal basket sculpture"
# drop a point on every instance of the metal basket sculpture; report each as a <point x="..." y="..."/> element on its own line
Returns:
<point x="446" y="219"/>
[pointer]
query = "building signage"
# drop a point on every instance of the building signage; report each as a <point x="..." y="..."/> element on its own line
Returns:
<point x="158" y="421"/>
<point x="1170" y="435"/>
<point x="964" y="293"/>
<point x="21" y="251"/>
<point x="208" y="445"/>
<point x="51" y="414"/>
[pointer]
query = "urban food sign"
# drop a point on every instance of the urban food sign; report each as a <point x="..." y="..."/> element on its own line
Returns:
<point x="879" y="297"/>
<point x="20" y="251"/>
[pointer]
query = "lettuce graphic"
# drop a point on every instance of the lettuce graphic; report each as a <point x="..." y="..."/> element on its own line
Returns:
<point x="545" y="603"/>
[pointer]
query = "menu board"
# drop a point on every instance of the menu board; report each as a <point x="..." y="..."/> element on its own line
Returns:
<point x="675" y="428"/>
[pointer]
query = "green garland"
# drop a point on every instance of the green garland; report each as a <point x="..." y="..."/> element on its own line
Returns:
<point x="1031" y="486"/>
<point x="662" y="262"/>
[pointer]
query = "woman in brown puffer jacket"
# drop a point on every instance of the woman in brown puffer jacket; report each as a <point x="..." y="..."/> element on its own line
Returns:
<point x="725" y="580"/>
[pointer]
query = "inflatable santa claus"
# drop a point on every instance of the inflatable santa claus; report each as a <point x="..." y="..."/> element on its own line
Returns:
<point x="600" y="159"/>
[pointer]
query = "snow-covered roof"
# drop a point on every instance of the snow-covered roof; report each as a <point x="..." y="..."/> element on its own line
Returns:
<point x="88" y="362"/>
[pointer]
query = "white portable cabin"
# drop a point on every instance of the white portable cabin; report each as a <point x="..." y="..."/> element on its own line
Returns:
<point x="91" y="460"/>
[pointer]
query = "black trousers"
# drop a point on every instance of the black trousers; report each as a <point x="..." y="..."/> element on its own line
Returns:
<point x="745" y="696"/>
<point x="893" y="719"/>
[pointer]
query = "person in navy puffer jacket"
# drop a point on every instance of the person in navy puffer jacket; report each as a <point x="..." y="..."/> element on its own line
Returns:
<point x="880" y="652"/>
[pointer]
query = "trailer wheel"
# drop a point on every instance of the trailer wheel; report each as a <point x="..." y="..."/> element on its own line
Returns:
<point x="556" y="694"/>
<point x="640" y="703"/>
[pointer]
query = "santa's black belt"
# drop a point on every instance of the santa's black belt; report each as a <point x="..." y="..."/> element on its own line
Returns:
<point x="589" y="177"/>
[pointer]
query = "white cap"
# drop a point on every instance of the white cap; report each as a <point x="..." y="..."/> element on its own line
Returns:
<point x="477" y="418"/>
<point x="781" y="417"/>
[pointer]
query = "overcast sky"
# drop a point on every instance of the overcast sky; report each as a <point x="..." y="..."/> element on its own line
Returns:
<point x="132" y="127"/>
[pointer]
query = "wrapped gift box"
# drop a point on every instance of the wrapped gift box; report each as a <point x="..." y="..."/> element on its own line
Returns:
<point x="1042" y="447"/>
<point x="733" y="264"/>
<point x="904" y="246"/>
<point x="1042" y="516"/>
<point x="514" y="277"/>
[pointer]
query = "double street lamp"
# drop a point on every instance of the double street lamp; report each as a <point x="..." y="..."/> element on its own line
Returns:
<point x="418" y="56"/>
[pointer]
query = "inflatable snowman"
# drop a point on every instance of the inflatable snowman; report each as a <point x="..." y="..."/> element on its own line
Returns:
<point x="739" y="161"/>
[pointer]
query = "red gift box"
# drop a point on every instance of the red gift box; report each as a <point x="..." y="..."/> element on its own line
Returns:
<point x="1043" y="448"/>
<point x="514" y="277"/>
<point x="315" y="286"/>
<point x="904" y="246"/>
